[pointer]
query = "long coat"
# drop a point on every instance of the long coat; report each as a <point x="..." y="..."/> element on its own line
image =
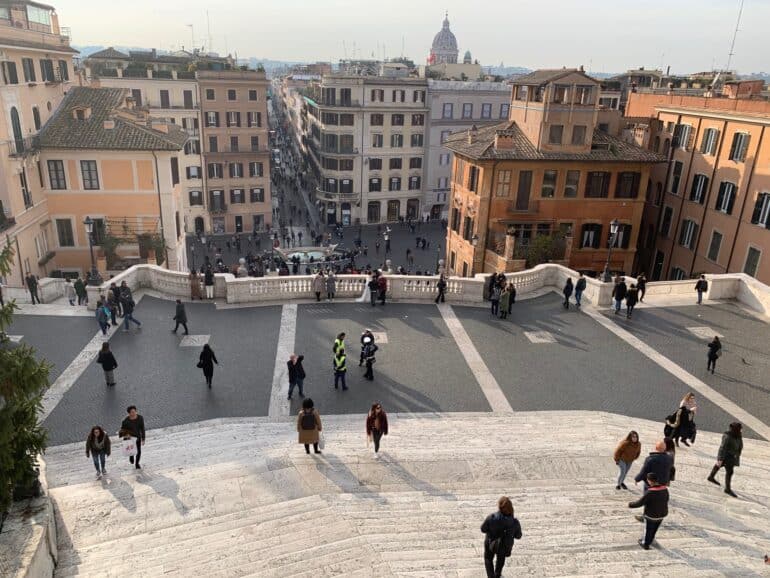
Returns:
<point x="309" y="436"/>
<point x="319" y="284"/>
<point x="181" y="314"/>
<point x="331" y="284"/>
<point x="195" y="286"/>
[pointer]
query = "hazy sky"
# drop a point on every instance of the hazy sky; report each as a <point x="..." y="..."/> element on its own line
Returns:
<point x="603" y="35"/>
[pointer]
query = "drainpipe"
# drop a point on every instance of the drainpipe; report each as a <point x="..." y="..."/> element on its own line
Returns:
<point x="160" y="209"/>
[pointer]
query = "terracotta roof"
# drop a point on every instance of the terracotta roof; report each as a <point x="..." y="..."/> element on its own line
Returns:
<point x="545" y="75"/>
<point x="38" y="45"/>
<point x="65" y="131"/>
<point x="605" y="148"/>
<point x="110" y="53"/>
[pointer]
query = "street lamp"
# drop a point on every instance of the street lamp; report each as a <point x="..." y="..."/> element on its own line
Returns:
<point x="95" y="279"/>
<point x="614" y="225"/>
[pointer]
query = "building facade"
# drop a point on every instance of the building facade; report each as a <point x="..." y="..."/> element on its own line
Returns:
<point x="555" y="168"/>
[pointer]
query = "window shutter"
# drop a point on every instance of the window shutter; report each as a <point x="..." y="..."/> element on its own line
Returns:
<point x="758" y="208"/>
<point x="704" y="189"/>
<point x="731" y="200"/>
<point x="690" y="138"/>
<point x="626" y="236"/>
<point x="744" y="147"/>
<point x="734" y="146"/>
<point x="597" y="237"/>
<point x="720" y="196"/>
<point x="216" y="119"/>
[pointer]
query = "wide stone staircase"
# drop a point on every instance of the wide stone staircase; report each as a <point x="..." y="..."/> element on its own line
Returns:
<point x="240" y="498"/>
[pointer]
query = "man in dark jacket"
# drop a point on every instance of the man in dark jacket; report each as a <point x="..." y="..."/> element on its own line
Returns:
<point x="31" y="281"/>
<point x="382" y="288"/>
<point x="655" y="502"/>
<point x="701" y="287"/>
<point x="580" y="286"/>
<point x="296" y="374"/>
<point x="619" y="293"/>
<point x="441" y="286"/>
<point x="133" y="425"/>
<point x="658" y="463"/>
<point x="180" y="317"/>
<point x="501" y="528"/>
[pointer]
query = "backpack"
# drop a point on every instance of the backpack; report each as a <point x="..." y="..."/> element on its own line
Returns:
<point x="101" y="315"/>
<point x="308" y="420"/>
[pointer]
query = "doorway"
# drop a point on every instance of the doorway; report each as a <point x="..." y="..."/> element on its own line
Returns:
<point x="394" y="210"/>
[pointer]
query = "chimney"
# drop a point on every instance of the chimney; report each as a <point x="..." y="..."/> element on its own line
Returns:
<point x="109" y="124"/>
<point x="503" y="140"/>
<point x="473" y="134"/>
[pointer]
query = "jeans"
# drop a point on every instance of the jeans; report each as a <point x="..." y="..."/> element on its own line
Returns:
<point x="578" y="297"/>
<point x="339" y="376"/>
<point x="496" y="570"/>
<point x="700" y="297"/>
<point x="297" y="383"/>
<point x="99" y="458"/>
<point x="618" y="303"/>
<point x="135" y="459"/>
<point x="127" y="318"/>
<point x="650" y="529"/>
<point x="495" y="307"/>
<point x="373" y="296"/>
<point x="376" y="437"/>
<point x="317" y="295"/>
<point x="82" y="299"/>
<point x="103" y="327"/>
<point x="624" y="467"/>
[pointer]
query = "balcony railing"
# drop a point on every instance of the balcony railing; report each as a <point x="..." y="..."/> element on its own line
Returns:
<point x="339" y="150"/>
<point x="23" y="146"/>
<point x="332" y="196"/>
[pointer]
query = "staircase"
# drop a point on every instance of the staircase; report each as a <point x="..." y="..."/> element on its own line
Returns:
<point x="240" y="498"/>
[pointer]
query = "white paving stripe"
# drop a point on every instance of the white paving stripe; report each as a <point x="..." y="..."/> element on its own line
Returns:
<point x="680" y="373"/>
<point x="540" y="336"/>
<point x="704" y="332"/>
<point x="279" y="405"/>
<point x="194" y="340"/>
<point x="487" y="382"/>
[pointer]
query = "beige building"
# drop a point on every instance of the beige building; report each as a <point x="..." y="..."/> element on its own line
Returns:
<point x="37" y="70"/>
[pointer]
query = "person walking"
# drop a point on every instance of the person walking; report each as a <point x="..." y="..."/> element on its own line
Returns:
<point x="206" y="361"/>
<point x="689" y="402"/>
<point x="369" y="358"/>
<point x="107" y="360"/>
<point x="80" y="291"/>
<point x="373" y="289"/>
<point x="339" y="343"/>
<point x="376" y="425"/>
<point x="714" y="353"/>
<point x="655" y="502"/>
<point x="701" y="286"/>
<point x="619" y="293"/>
<point x="512" y="300"/>
<point x="319" y="285"/>
<point x="382" y="288"/>
<point x="31" y="281"/>
<point x="580" y="286"/>
<point x="441" y="286"/>
<point x="309" y="426"/>
<point x="102" y="314"/>
<point x="296" y="374"/>
<point x="366" y="337"/>
<point x="331" y="285"/>
<point x="128" y="312"/>
<point x="641" y="284"/>
<point x="180" y="317"/>
<point x="69" y="291"/>
<point x="115" y="298"/>
<point x="728" y="456"/>
<point x="501" y="530"/>
<point x="133" y="425"/>
<point x="340" y="368"/>
<point x="195" y="286"/>
<point x="678" y="425"/>
<point x="632" y="296"/>
<point x="112" y="306"/>
<point x="567" y="292"/>
<point x="626" y="453"/>
<point x="494" y="297"/>
<point x="98" y="448"/>
<point x="208" y="282"/>
<point x="505" y="302"/>
<point x="659" y="463"/>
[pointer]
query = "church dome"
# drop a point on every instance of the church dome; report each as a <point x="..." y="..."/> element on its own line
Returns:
<point x="467" y="59"/>
<point x="445" y="40"/>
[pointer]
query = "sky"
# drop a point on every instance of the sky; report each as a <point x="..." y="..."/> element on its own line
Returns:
<point x="602" y="35"/>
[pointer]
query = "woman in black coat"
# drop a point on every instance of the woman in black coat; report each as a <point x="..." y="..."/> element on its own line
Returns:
<point x="206" y="363"/>
<point x="715" y="350"/>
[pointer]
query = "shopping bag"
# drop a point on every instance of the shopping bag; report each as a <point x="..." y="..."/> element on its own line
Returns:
<point x="321" y="442"/>
<point x="128" y="447"/>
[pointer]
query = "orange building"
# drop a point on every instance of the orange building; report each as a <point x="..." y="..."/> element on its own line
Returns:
<point x="554" y="167"/>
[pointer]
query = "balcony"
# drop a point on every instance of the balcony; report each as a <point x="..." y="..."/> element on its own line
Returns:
<point x="336" y="197"/>
<point x="23" y="146"/>
<point x="533" y="207"/>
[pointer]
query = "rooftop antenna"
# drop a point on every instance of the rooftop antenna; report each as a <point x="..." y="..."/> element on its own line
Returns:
<point x="402" y="46"/>
<point x="192" y="36"/>
<point x="732" y="46"/>
<point x="208" y="29"/>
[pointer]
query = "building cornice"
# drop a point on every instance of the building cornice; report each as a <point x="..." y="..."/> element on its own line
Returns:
<point x="716" y="114"/>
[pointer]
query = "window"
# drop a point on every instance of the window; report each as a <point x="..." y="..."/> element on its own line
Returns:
<point x="752" y="261"/>
<point x="561" y="93"/>
<point x="399" y="96"/>
<point x="467" y="228"/>
<point x="330" y="186"/>
<point x="136" y="94"/>
<point x="236" y="170"/>
<point x="196" y="198"/>
<point x="376" y="119"/>
<point x="90" y="175"/>
<point x="330" y="164"/>
<point x="486" y="110"/>
<point x="56" y="175"/>
<point x="397" y="119"/>
<point x="377" y="95"/>
<point x="375" y="164"/>
<point x="233" y="118"/>
<point x="64" y="233"/>
<point x="714" y="246"/>
<point x="415" y="163"/>
<point x="193" y="172"/>
<point x="740" y="146"/>
<point x="346" y="143"/>
<point x="28" y="66"/>
<point x="9" y="72"/>
<point x="555" y="132"/>
<point x="414" y="183"/>
<point x="213" y="144"/>
<point x="257" y="195"/>
<point x="443" y="159"/>
<point x="253" y="95"/>
<point x="254" y="118"/>
<point x="234" y="144"/>
<point x="375" y="185"/>
<point x="215" y="170"/>
<point x="628" y="185"/>
<point x="504" y="110"/>
<point x="396" y="141"/>
<point x="443" y="183"/>
<point x="192" y="147"/>
<point x="467" y="110"/>
<point x="394" y="164"/>
<point x="688" y="234"/>
<point x="212" y="118"/>
<point x="549" y="184"/>
<point x="210" y="95"/>
<point x="579" y="135"/>
<point x="418" y="119"/>
<point x="46" y="70"/>
<point x="677" y="274"/>
<point x="164" y="99"/>
<point x="725" y="198"/>
<point x="591" y="235"/>
<point x="676" y="176"/>
<point x="346" y="164"/>
<point x="571" y="184"/>
<point x="447" y="110"/>
<point x="682" y="133"/>
<point x="522" y="194"/>
<point x="761" y="214"/>
<point x="503" y="188"/>
<point x="700" y="184"/>
<point x="597" y="185"/>
<point x="230" y="94"/>
<point x="346" y="120"/>
<point x="584" y="95"/>
<point x="473" y="178"/>
<point x="25" y="192"/>
<point x="708" y="146"/>
<point x="665" y="222"/>
<point x="622" y="237"/>
<point x="418" y="96"/>
<point x="174" y="171"/>
<point x="376" y="141"/>
<point x="417" y="140"/>
<point x="455" y="220"/>
<point x="254" y="144"/>
<point x="237" y="196"/>
<point x="256" y="169"/>
<point x="394" y="184"/>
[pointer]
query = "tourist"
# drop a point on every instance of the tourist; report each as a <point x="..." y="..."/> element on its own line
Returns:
<point x="512" y="289"/>
<point x="80" y="290"/>
<point x="115" y="291"/>
<point x="670" y="452"/>
<point x="296" y="374"/>
<point x="370" y="348"/>
<point x="373" y="288"/>
<point x="382" y="288"/>
<point x="331" y="285"/>
<point x="715" y="351"/>
<point x="319" y="285"/>
<point x="678" y="424"/>
<point x="128" y="308"/>
<point x="688" y="401"/>
<point x="102" y="317"/>
<point x="208" y="282"/>
<point x="98" y="448"/>
<point x="619" y="293"/>
<point x="501" y="529"/>
<point x="728" y="456"/>
<point x="112" y="305"/>
<point x="376" y="425"/>
<point x="441" y="286"/>
<point x="206" y="362"/>
<point x="567" y="292"/>
<point x="494" y="297"/>
<point x="309" y="426"/>
<point x="366" y="337"/>
<point x="505" y="302"/>
<point x="626" y="453"/>
<point x="655" y="502"/>
<point x="659" y="463"/>
<point x="195" y="286"/>
<point x="180" y="317"/>
<point x="125" y="293"/>
<point x="632" y="296"/>
<point x="31" y="281"/>
<point x="641" y="283"/>
<point x="133" y="425"/>
<point x="701" y="286"/>
<point x="580" y="286"/>
<point x="107" y="360"/>
<point x="340" y="368"/>
<point x="69" y="291"/>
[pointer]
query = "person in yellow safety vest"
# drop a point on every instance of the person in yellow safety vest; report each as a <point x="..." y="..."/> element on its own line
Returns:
<point x="339" y="343"/>
<point x="340" y="368"/>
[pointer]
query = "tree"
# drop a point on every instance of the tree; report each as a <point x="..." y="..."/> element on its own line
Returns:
<point x="545" y="248"/>
<point x="23" y="381"/>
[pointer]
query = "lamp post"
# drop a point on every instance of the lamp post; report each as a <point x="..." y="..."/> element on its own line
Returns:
<point x="95" y="279"/>
<point x="474" y="244"/>
<point x="607" y="277"/>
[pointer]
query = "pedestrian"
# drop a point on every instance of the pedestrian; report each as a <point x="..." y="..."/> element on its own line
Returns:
<point x="659" y="463"/>
<point x="107" y="360"/>
<point x="366" y="337"/>
<point x="567" y="292"/>
<point x="441" y="286"/>
<point x="678" y="425"/>
<point x="331" y="285"/>
<point x="195" y="286"/>
<point x="373" y="289"/>
<point x="655" y="502"/>
<point x="376" y="425"/>
<point x="133" y="425"/>
<point x="206" y="362"/>
<point x="128" y="308"/>
<point x="728" y="456"/>
<point x="626" y="453"/>
<point x="494" y="297"/>
<point x="619" y="293"/>
<point x="632" y="296"/>
<point x="376" y="247"/>
<point x="319" y="285"/>
<point x="309" y="426"/>
<point x="715" y="352"/>
<point x="208" y="282"/>
<point x="580" y="286"/>
<point x="701" y="286"/>
<point x="370" y="348"/>
<point x="512" y="289"/>
<point x="339" y="343"/>
<point x="102" y="317"/>
<point x="80" y="290"/>
<point x="296" y="374"/>
<point x="69" y="291"/>
<point x="115" y="298"/>
<point x="31" y="281"/>
<point x="505" y="302"/>
<point x="382" y="288"/>
<point x="98" y="448"/>
<point x="688" y="401"/>
<point x="641" y="284"/>
<point x="180" y="317"/>
<point x="501" y="529"/>
<point x="340" y="368"/>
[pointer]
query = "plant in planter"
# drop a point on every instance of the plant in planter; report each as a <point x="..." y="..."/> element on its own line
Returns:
<point x="109" y="245"/>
